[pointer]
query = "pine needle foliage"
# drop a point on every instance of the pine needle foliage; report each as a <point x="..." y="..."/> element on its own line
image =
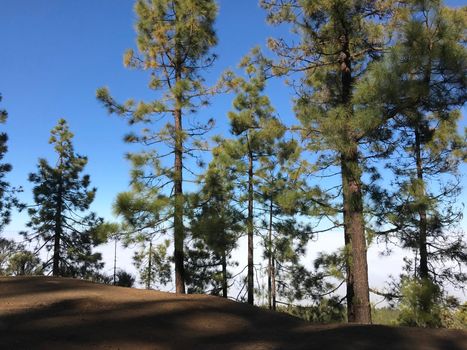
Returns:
<point x="337" y="40"/>
<point x="256" y="130"/>
<point x="174" y="39"/>
<point x="60" y="219"/>
<point x="8" y="199"/>
<point x="426" y="69"/>
<point x="216" y="225"/>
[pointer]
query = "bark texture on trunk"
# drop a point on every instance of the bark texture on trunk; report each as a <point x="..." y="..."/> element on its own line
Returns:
<point x="273" y="282"/>
<point x="359" y="298"/>
<point x="224" y="275"/>
<point x="250" y="231"/>
<point x="422" y="246"/>
<point x="58" y="231"/>
<point x="179" y="234"/>
<point x="358" y="295"/>
<point x="348" y="269"/>
<point x="149" y="280"/>
<point x="270" y="258"/>
<point x="115" y="261"/>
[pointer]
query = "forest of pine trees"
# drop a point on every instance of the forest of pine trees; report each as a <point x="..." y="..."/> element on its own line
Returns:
<point x="374" y="152"/>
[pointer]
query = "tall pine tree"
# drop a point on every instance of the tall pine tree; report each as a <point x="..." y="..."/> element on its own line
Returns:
<point x="215" y="227"/>
<point x="283" y="196"/>
<point x="256" y="130"/>
<point x="426" y="72"/>
<point x="338" y="40"/>
<point x="174" y="39"/>
<point x="8" y="199"/>
<point x="60" y="220"/>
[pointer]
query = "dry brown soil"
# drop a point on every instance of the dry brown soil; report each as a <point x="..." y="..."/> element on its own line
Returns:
<point x="59" y="313"/>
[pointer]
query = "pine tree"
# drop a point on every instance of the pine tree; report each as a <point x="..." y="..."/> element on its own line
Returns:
<point x="338" y="40"/>
<point x="23" y="263"/>
<point x="153" y="263"/>
<point x="16" y="260"/>
<point x="7" y="249"/>
<point x="174" y="39"/>
<point x="427" y="70"/>
<point x="256" y="129"/>
<point x="8" y="198"/>
<point x="215" y="229"/>
<point x="59" y="218"/>
<point x="283" y="195"/>
<point x="150" y="259"/>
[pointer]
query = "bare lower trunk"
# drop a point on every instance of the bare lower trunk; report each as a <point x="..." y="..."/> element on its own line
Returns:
<point x="178" y="207"/>
<point x="358" y="294"/>
<point x="270" y="257"/>
<point x="58" y="231"/>
<point x="56" y="256"/>
<point x="273" y="282"/>
<point x="250" y="229"/>
<point x="115" y="262"/>
<point x="423" y="264"/>
<point x="358" y="297"/>
<point x="349" y="272"/>
<point x="149" y="280"/>
<point x="224" y="275"/>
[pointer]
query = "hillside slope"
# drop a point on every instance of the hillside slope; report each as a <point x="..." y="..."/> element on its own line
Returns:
<point x="59" y="313"/>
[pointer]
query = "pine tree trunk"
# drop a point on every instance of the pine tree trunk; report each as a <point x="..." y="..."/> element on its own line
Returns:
<point x="178" y="209"/>
<point x="179" y="234"/>
<point x="423" y="265"/>
<point x="358" y="295"/>
<point x="224" y="275"/>
<point x="270" y="257"/>
<point x="56" y="256"/>
<point x="115" y="262"/>
<point x="250" y="230"/>
<point x="423" y="225"/>
<point x="149" y="278"/>
<point x="273" y="282"/>
<point x="348" y="269"/>
<point x="58" y="230"/>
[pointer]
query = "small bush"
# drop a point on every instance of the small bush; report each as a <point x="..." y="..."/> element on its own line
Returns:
<point x="421" y="304"/>
<point x="125" y="279"/>
<point x="326" y="311"/>
<point x="385" y="316"/>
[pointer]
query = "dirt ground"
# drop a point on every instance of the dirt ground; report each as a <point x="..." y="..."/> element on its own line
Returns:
<point x="58" y="313"/>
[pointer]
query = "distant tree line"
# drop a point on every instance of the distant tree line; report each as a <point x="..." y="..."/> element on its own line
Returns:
<point x="377" y="89"/>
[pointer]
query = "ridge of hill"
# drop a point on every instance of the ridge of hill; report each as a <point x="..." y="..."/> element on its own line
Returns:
<point x="63" y="313"/>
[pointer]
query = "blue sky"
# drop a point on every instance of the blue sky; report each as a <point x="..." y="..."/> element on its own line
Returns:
<point x="55" y="54"/>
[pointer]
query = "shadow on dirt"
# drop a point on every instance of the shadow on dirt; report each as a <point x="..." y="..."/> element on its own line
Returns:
<point x="178" y="322"/>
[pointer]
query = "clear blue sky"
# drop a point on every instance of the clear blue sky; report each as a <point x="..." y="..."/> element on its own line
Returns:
<point x="56" y="53"/>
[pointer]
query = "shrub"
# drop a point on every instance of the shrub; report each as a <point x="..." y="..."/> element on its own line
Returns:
<point x="421" y="303"/>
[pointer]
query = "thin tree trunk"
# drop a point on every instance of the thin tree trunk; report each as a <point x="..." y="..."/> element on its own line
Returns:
<point x="273" y="281"/>
<point x="224" y="275"/>
<point x="56" y="256"/>
<point x="358" y="295"/>
<point x="115" y="262"/>
<point x="250" y="230"/>
<point x="179" y="234"/>
<point x="423" y="265"/>
<point x="348" y="269"/>
<point x="423" y="225"/>
<point x="58" y="230"/>
<point x="270" y="257"/>
<point x="358" y="298"/>
<point x="149" y="280"/>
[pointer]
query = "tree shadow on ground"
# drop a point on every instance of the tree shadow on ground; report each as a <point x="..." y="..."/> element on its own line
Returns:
<point x="186" y="322"/>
